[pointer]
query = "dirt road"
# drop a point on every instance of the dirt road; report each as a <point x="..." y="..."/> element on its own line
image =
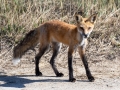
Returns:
<point x="53" y="83"/>
<point x="22" y="77"/>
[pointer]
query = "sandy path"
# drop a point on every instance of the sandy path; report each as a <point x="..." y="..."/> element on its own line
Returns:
<point x="54" y="83"/>
<point x="24" y="79"/>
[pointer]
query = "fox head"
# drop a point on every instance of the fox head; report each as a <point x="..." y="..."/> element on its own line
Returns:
<point x="85" y="25"/>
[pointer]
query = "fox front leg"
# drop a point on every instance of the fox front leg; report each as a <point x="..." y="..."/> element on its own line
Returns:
<point x="84" y="60"/>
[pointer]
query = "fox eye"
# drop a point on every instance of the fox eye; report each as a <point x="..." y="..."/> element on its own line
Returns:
<point x="89" y="28"/>
<point x="82" y="28"/>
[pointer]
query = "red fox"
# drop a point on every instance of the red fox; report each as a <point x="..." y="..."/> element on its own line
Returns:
<point x="54" y="33"/>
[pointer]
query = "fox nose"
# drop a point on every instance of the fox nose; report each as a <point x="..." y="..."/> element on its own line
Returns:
<point x="85" y="35"/>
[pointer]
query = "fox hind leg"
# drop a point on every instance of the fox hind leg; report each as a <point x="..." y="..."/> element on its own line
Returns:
<point x="56" y="48"/>
<point x="70" y="67"/>
<point x="42" y="50"/>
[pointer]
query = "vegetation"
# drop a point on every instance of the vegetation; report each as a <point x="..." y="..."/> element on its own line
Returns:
<point x="17" y="17"/>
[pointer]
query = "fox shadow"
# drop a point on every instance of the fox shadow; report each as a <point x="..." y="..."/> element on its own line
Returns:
<point x="19" y="81"/>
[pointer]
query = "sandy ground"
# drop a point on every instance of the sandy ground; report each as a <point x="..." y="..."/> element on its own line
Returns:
<point x="22" y="77"/>
<point x="29" y="82"/>
<point x="50" y="82"/>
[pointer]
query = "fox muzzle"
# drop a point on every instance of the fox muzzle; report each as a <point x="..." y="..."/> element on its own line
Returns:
<point x="85" y="35"/>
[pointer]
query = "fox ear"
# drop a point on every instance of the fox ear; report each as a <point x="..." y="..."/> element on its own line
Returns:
<point x="93" y="17"/>
<point x="78" y="18"/>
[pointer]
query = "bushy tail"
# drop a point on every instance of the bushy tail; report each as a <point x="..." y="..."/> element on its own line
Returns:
<point x="30" y="41"/>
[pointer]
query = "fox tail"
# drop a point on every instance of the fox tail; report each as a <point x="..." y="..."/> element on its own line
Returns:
<point x="29" y="42"/>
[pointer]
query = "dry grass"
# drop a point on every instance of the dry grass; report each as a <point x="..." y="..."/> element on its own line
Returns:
<point x="20" y="16"/>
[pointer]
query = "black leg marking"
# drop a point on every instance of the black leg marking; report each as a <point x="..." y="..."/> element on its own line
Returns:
<point x="37" y="58"/>
<point x="90" y="77"/>
<point x="56" y="47"/>
<point x="71" y="78"/>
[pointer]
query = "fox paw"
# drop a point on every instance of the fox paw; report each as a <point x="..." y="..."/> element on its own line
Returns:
<point x="72" y="80"/>
<point x="60" y="75"/>
<point x="38" y="74"/>
<point x="91" y="79"/>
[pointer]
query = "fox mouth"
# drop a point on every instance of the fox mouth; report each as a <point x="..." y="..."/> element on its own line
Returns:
<point x="85" y="35"/>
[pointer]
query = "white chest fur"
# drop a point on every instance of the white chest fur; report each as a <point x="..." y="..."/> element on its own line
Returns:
<point x="81" y="39"/>
<point x="82" y="42"/>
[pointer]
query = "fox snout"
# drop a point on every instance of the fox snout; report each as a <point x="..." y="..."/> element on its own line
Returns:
<point x="85" y="35"/>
